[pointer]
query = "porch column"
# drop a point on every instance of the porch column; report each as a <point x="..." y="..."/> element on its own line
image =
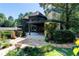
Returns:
<point x="29" y="28"/>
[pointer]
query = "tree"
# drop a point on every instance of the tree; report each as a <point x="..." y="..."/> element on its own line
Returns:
<point x="20" y="16"/>
<point x="67" y="11"/>
<point x="2" y="19"/>
<point x="10" y="22"/>
<point x="10" y="18"/>
<point x="19" y="20"/>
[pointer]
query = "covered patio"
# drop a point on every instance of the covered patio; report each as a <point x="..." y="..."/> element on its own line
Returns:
<point x="35" y="23"/>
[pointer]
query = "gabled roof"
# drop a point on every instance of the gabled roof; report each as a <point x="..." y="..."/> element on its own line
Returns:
<point x="25" y="17"/>
<point x="35" y="14"/>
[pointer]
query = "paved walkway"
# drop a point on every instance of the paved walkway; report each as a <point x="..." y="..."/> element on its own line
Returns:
<point x="13" y="42"/>
<point x="34" y="39"/>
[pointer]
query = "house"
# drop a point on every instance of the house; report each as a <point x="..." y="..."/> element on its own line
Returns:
<point x="35" y="22"/>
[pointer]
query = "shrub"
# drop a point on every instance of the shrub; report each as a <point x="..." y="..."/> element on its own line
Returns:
<point x="61" y="36"/>
<point x="47" y="48"/>
<point x="64" y="36"/>
<point x="27" y="51"/>
<point x="6" y="34"/>
<point x="4" y="44"/>
<point x="12" y="53"/>
<point x="19" y="33"/>
<point x="31" y="51"/>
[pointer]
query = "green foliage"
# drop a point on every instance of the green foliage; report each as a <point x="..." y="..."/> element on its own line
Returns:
<point x="28" y="51"/>
<point x="10" y="18"/>
<point x="19" y="33"/>
<point x="74" y="25"/>
<point x="5" y="34"/>
<point x="61" y="36"/>
<point x="40" y="51"/>
<point x="69" y="13"/>
<point x="19" y="20"/>
<point x="4" y="22"/>
<point x="76" y="47"/>
<point x="4" y="44"/>
<point x="12" y="53"/>
<point x="49" y="26"/>
<point x="58" y="36"/>
<point x="9" y="23"/>
<point x="47" y="50"/>
<point x="53" y="53"/>
<point x="31" y="51"/>
<point x="2" y="19"/>
<point x="76" y="51"/>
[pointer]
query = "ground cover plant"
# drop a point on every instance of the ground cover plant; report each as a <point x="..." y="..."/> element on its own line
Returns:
<point x="4" y="43"/>
<point x="6" y="34"/>
<point x="47" y="50"/>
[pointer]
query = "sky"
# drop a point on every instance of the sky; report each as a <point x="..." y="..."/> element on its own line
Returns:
<point x="14" y="9"/>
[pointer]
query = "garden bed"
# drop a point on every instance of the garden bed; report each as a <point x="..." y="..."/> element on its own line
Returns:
<point x="4" y="44"/>
<point x="47" y="50"/>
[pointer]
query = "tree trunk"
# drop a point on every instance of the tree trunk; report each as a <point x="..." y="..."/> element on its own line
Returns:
<point x="67" y="16"/>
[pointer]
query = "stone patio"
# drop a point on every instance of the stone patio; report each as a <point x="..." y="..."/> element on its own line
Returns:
<point x="34" y="39"/>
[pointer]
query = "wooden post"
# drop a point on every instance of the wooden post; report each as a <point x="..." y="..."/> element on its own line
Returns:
<point x="29" y="28"/>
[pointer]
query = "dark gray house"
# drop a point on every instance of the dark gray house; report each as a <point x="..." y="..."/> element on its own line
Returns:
<point x="35" y="22"/>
